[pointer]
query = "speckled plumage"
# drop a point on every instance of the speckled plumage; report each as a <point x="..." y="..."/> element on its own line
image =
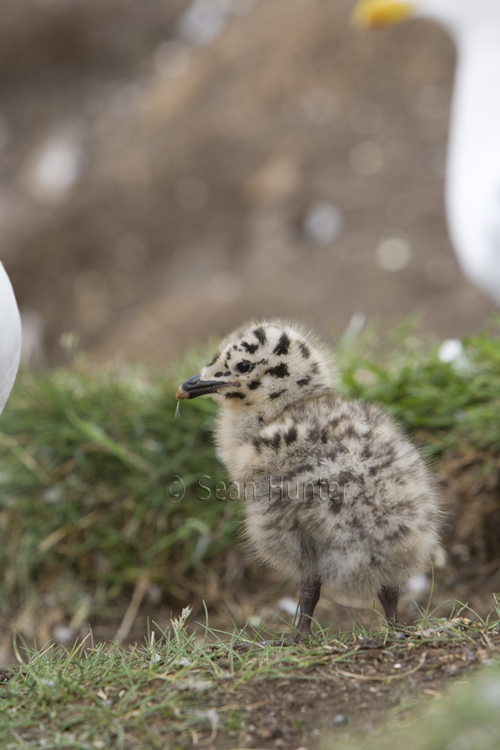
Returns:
<point x="334" y="493"/>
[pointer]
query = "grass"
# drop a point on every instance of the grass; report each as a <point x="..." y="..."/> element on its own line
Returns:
<point x="179" y="690"/>
<point x="95" y="696"/>
<point x="444" y="404"/>
<point x="89" y="462"/>
<point x="85" y="459"/>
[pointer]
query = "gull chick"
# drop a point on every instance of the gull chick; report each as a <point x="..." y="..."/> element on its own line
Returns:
<point x="334" y="493"/>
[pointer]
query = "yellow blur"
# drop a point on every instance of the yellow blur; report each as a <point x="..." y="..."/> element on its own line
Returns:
<point x="374" y="13"/>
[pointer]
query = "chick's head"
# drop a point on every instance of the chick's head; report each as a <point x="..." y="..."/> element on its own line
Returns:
<point x="264" y="366"/>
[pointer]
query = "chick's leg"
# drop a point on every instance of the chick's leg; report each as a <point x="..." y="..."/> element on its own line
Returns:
<point x="309" y="591"/>
<point x="388" y="598"/>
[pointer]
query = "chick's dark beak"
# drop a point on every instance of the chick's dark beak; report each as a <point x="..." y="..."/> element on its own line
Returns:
<point x="196" y="387"/>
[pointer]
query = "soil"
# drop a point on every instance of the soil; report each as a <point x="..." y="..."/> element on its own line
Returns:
<point x="350" y="689"/>
<point x="334" y="698"/>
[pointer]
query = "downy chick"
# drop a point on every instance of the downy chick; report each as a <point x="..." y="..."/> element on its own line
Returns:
<point x="334" y="493"/>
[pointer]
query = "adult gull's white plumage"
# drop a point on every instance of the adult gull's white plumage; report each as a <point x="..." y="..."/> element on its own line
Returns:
<point x="473" y="169"/>
<point x="10" y="337"/>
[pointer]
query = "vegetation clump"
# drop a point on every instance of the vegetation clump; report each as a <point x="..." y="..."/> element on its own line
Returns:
<point x="101" y="484"/>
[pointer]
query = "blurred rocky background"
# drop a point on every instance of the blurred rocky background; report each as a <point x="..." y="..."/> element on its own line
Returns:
<point x="169" y="168"/>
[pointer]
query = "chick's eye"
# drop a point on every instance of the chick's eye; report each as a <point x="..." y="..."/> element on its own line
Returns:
<point x="244" y="366"/>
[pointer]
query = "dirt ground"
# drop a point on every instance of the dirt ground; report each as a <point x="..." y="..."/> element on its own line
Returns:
<point x="155" y="190"/>
<point x="334" y="699"/>
<point x="313" y="698"/>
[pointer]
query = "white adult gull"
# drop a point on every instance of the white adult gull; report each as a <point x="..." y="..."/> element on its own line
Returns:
<point x="10" y="337"/>
<point x="473" y="169"/>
